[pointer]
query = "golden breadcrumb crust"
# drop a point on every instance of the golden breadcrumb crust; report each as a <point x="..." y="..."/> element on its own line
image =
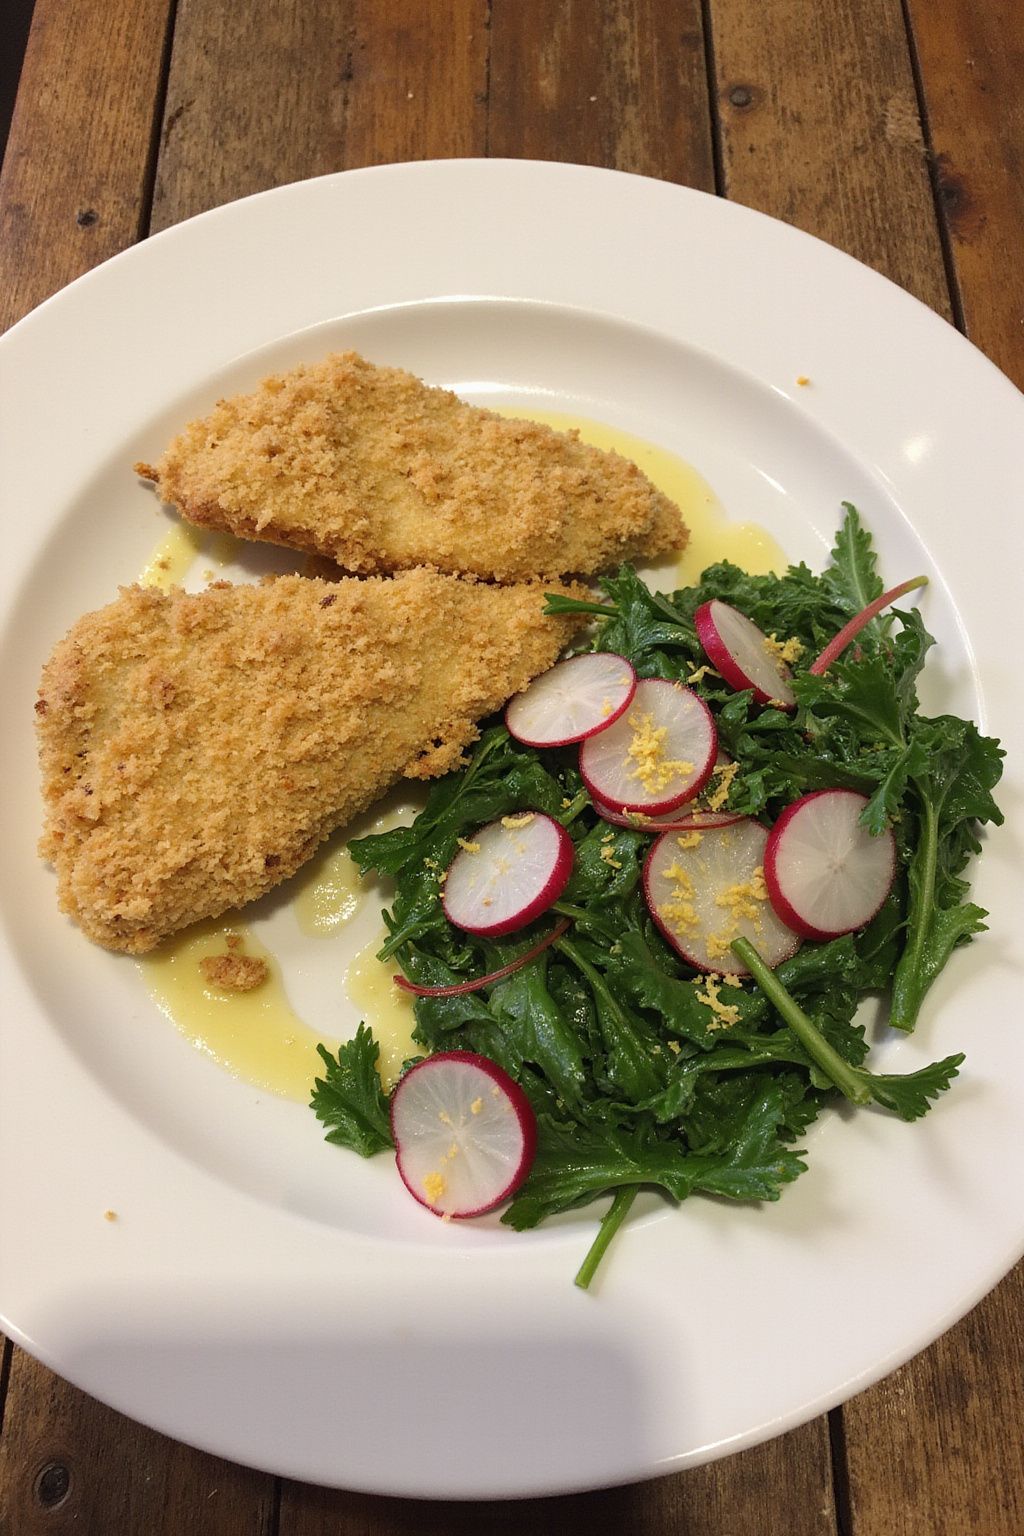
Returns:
<point x="376" y="470"/>
<point x="233" y="972"/>
<point x="195" y="750"/>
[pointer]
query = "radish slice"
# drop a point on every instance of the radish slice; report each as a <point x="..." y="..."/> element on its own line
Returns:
<point x="672" y="821"/>
<point x="573" y="700"/>
<point x="657" y="755"/>
<point x="464" y="1131"/>
<point x="511" y="872"/>
<point x="695" y="815"/>
<point x="837" y="645"/>
<point x="826" y="873"/>
<point x="743" y="653"/>
<point x="702" y="897"/>
<point x="461" y="988"/>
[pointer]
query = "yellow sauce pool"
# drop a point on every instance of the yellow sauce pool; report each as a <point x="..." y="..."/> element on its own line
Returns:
<point x="385" y="1007"/>
<point x="712" y="535"/>
<point x="172" y="557"/>
<point x="256" y="1035"/>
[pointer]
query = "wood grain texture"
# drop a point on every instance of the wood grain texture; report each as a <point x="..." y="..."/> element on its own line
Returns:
<point x="971" y="61"/>
<point x="324" y="88"/>
<point x="69" y="1464"/>
<point x="783" y="1486"/>
<point x="820" y="127"/>
<point x="602" y="84"/>
<point x="75" y="179"/>
<point x="936" y="1449"/>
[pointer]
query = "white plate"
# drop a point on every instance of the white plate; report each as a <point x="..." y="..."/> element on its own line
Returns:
<point x="276" y="1300"/>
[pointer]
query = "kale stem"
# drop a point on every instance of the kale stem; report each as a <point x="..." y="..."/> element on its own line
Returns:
<point x="907" y="988"/>
<point x="579" y="803"/>
<point x="554" y="604"/>
<point x="610" y="1224"/>
<point x="846" y="1078"/>
<point x="596" y="980"/>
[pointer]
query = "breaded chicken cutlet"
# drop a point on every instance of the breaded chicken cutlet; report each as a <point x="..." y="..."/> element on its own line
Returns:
<point x="195" y="750"/>
<point x="380" y="472"/>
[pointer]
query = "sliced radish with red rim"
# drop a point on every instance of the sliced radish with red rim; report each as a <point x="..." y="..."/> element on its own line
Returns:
<point x="464" y="1131"/>
<point x="826" y="873"/>
<point x="657" y="755"/>
<point x="693" y="816"/>
<point x="572" y="700"/>
<point x="507" y="874"/>
<point x="704" y="896"/>
<point x="742" y="653"/>
<point x="672" y="821"/>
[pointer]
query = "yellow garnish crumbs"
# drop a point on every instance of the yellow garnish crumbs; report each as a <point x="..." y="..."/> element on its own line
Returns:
<point x="723" y="1014"/>
<point x="444" y="1117"/>
<point x="434" y="1186"/>
<point x="519" y="821"/>
<point x="476" y="1106"/>
<point x="701" y="673"/>
<point x="442" y="877"/>
<point x="742" y="899"/>
<point x="109" y="1215"/>
<point x="803" y="381"/>
<point x="681" y="878"/>
<point x="673" y="1046"/>
<point x="783" y="650"/>
<point x="609" y="837"/>
<point x="647" y="751"/>
<point x="608" y="855"/>
<point x="725" y="773"/>
<point x="606" y="708"/>
<point x="689" y="839"/>
<point x="717" y="944"/>
<point x="566" y="802"/>
<point x="467" y="847"/>
<point x="679" y="913"/>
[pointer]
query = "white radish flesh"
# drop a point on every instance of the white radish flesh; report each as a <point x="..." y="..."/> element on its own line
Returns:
<point x="671" y="821"/>
<point x="657" y="755"/>
<point x="573" y="700"/>
<point x="742" y="653"/>
<point x="694" y="815"/>
<point x="705" y="892"/>
<point x="507" y="874"/>
<point x="826" y="873"/>
<point x="465" y="1134"/>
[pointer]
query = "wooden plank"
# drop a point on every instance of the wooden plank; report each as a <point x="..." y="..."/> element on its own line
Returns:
<point x="781" y="1486"/>
<point x="936" y="1449"/>
<point x="69" y="1464"/>
<point x="75" y="178"/>
<point x="324" y="88"/>
<point x="622" y="86"/>
<point x="971" y="62"/>
<point x="820" y="127"/>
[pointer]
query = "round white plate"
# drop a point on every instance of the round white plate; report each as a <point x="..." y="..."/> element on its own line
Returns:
<point x="274" y="1299"/>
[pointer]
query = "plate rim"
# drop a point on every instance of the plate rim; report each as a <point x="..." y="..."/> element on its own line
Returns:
<point x="1006" y="397"/>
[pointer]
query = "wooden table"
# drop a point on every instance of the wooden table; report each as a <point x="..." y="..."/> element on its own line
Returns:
<point x="894" y="131"/>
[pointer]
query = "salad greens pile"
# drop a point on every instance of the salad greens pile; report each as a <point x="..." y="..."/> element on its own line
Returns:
<point x="639" y="1072"/>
